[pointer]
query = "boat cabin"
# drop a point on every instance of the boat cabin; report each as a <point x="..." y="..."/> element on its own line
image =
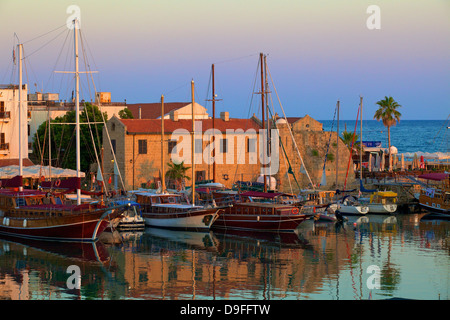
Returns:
<point x="384" y="197"/>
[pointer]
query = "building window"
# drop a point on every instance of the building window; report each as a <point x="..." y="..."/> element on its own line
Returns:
<point x="223" y="145"/>
<point x="172" y="146"/>
<point x="113" y="144"/>
<point x="113" y="127"/>
<point x="198" y="145"/>
<point x="200" y="175"/>
<point x="142" y="146"/>
<point x="251" y="145"/>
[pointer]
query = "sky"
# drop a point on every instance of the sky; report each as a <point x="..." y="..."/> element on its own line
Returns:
<point x="318" y="52"/>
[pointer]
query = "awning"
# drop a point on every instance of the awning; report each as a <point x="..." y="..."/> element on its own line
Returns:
<point x="434" y="176"/>
<point x="36" y="172"/>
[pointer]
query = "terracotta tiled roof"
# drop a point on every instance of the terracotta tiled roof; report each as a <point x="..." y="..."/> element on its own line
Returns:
<point x="149" y="126"/>
<point x="153" y="110"/>
<point x="10" y="162"/>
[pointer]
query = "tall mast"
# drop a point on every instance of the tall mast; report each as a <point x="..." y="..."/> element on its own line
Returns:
<point x="77" y="111"/>
<point x="20" y="114"/>
<point x="337" y="144"/>
<point x="263" y="109"/>
<point x="269" y="137"/>
<point x="361" y="139"/>
<point x="163" y="180"/>
<point x="213" y="125"/>
<point x="192" y="144"/>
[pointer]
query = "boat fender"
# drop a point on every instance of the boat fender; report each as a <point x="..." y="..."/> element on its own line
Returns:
<point x="295" y="210"/>
<point x="25" y="223"/>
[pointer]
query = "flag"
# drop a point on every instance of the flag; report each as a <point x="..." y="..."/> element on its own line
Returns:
<point x="109" y="180"/>
<point x="14" y="56"/>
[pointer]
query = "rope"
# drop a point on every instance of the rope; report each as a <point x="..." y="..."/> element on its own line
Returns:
<point x="329" y="140"/>
<point x="290" y="132"/>
<point x="351" y="150"/>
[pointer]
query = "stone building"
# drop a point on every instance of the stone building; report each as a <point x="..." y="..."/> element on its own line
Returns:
<point x="238" y="147"/>
<point x="137" y="145"/>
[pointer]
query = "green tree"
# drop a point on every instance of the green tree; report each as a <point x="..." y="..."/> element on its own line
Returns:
<point x="63" y="138"/>
<point x="348" y="138"/>
<point x="125" y="114"/>
<point x="390" y="116"/>
<point x="177" y="172"/>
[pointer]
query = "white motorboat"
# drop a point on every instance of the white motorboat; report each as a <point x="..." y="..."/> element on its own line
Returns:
<point x="383" y="202"/>
<point x="349" y="205"/>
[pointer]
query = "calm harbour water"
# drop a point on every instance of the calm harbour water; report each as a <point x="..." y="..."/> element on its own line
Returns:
<point x="322" y="261"/>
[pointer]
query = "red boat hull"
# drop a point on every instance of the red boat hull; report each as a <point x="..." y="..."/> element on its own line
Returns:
<point x="258" y="223"/>
<point x="78" y="231"/>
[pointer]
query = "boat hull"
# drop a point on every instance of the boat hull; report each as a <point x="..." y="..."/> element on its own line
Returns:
<point x="382" y="208"/>
<point x="357" y="210"/>
<point x="259" y="223"/>
<point x="188" y="220"/>
<point x="81" y="226"/>
<point x="74" y="231"/>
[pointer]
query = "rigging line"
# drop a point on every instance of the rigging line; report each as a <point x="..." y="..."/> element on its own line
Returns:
<point x="351" y="150"/>
<point x="112" y="151"/>
<point x="45" y="44"/>
<point x="285" y="154"/>
<point x="444" y="125"/>
<point x="249" y="109"/>
<point x="238" y="58"/>
<point x="84" y="41"/>
<point x="57" y="60"/>
<point x="181" y="86"/>
<point x="329" y="140"/>
<point x="44" y="34"/>
<point x="87" y="65"/>
<point x="27" y="64"/>
<point x="290" y="131"/>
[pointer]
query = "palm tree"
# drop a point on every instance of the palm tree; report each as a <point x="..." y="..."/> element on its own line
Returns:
<point x="388" y="113"/>
<point x="177" y="172"/>
<point x="347" y="138"/>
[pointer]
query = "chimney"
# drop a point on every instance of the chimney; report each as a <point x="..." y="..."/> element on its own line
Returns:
<point x="140" y="112"/>
<point x="225" y="116"/>
<point x="174" y="115"/>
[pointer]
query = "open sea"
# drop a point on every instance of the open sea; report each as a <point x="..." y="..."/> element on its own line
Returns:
<point x="407" y="136"/>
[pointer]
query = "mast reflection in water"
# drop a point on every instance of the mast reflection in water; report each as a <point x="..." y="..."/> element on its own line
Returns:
<point x="324" y="261"/>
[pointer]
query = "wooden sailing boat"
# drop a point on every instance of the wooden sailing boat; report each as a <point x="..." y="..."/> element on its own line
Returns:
<point x="42" y="215"/>
<point x="247" y="214"/>
<point x="167" y="210"/>
<point x="435" y="197"/>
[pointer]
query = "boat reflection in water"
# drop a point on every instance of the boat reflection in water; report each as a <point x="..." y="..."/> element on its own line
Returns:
<point x="37" y="269"/>
<point x="320" y="260"/>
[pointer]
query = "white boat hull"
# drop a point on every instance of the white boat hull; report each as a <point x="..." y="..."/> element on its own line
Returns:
<point x="185" y="221"/>
<point x="353" y="209"/>
<point x="382" y="208"/>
